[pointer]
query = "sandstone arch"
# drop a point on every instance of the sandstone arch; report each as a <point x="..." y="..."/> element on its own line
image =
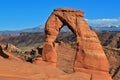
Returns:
<point x="90" y="57"/>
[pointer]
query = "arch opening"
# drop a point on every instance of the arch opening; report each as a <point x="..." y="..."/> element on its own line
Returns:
<point x="66" y="49"/>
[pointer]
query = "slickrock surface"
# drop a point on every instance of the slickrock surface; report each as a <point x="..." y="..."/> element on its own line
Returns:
<point x="15" y="70"/>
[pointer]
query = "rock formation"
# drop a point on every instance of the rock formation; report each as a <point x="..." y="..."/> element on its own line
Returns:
<point x="7" y="55"/>
<point x="11" y="48"/>
<point x="90" y="57"/>
<point x="113" y="55"/>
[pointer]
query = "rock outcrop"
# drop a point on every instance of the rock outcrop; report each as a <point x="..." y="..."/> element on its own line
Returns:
<point x="90" y="57"/>
<point x="11" y="48"/>
<point x="7" y="55"/>
<point x="113" y="55"/>
<point x="110" y="39"/>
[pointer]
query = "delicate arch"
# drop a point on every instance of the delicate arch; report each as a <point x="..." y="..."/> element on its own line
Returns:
<point x="89" y="51"/>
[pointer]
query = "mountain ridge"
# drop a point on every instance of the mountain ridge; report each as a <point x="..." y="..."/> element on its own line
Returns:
<point x="40" y="28"/>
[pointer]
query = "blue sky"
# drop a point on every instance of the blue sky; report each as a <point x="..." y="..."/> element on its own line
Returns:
<point x="20" y="14"/>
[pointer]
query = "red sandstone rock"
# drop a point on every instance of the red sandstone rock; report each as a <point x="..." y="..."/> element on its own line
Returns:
<point x="90" y="57"/>
<point x="49" y="53"/>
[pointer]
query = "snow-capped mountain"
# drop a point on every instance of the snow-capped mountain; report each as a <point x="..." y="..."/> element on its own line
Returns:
<point x="109" y="28"/>
<point x="104" y="22"/>
<point x="105" y="25"/>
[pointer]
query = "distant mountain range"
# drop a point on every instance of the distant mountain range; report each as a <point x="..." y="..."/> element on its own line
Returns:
<point x="110" y="28"/>
<point x="105" y="24"/>
<point x="40" y="28"/>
